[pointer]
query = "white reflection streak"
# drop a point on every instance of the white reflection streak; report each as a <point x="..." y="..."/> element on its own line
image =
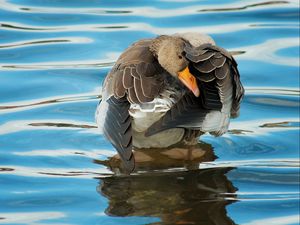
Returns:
<point x="268" y="193"/>
<point x="31" y="217"/>
<point x="107" y="61"/>
<point x="77" y="173"/>
<point x="67" y="152"/>
<point x="263" y="199"/>
<point x="263" y="90"/>
<point x="41" y="102"/>
<point x="23" y="125"/>
<point x="283" y="220"/>
<point x="266" y="51"/>
<point x="257" y="163"/>
<point x="255" y="126"/>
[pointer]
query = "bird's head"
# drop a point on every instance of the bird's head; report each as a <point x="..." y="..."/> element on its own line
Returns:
<point x="170" y="54"/>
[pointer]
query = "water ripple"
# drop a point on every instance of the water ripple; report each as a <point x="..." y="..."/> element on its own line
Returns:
<point x="150" y="11"/>
<point x="57" y="65"/>
<point x="266" y="51"/>
<point x="211" y="29"/>
<point x="29" y="217"/>
<point x="38" y="103"/>
<point x="22" y="125"/>
<point x="46" y="42"/>
<point x="239" y="8"/>
<point x="83" y="173"/>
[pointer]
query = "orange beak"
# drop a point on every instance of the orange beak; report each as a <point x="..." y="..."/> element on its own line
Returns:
<point x="189" y="81"/>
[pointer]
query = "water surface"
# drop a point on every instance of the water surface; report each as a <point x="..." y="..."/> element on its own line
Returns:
<point x="56" y="169"/>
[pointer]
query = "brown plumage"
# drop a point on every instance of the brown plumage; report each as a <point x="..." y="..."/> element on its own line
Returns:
<point x="148" y="100"/>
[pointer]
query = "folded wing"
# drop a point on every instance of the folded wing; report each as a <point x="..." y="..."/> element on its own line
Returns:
<point x="220" y="90"/>
<point x="133" y="79"/>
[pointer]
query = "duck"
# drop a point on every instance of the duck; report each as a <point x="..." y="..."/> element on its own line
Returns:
<point x="168" y="90"/>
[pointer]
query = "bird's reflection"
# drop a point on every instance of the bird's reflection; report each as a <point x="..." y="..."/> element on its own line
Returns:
<point x="193" y="196"/>
<point x="179" y="156"/>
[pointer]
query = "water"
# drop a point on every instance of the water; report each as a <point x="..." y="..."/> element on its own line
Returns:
<point x="55" y="168"/>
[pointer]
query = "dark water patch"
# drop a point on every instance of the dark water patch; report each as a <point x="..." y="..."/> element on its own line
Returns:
<point x="268" y="3"/>
<point x="238" y="132"/>
<point x="91" y="11"/>
<point x="59" y="100"/>
<point x="6" y="169"/>
<point x="56" y="66"/>
<point x="9" y="26"/>
<point x="34" y="43"/>
<point x="281" y="124"/>
<point x="61" y="125"/>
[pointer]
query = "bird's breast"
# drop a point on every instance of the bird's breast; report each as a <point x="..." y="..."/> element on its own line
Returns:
<point x="145" y="114"/>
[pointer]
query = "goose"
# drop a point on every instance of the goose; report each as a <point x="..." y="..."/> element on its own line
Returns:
<point x="168" y="90"/>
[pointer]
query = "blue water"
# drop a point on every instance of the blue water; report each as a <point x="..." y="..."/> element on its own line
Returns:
<point x="56" y="169"/>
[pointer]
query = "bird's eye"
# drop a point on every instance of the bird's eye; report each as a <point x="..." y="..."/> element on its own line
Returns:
<point x="181" y="55"/>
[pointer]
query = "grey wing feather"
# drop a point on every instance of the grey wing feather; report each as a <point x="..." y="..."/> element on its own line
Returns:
<point x="219" y="70"/>
<point x="127" y="78"/>
<point x="238" y="90"/>
<point x="117" y="129"/>
<point x="133" y="79"/>
<point x="136" y="74"/>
